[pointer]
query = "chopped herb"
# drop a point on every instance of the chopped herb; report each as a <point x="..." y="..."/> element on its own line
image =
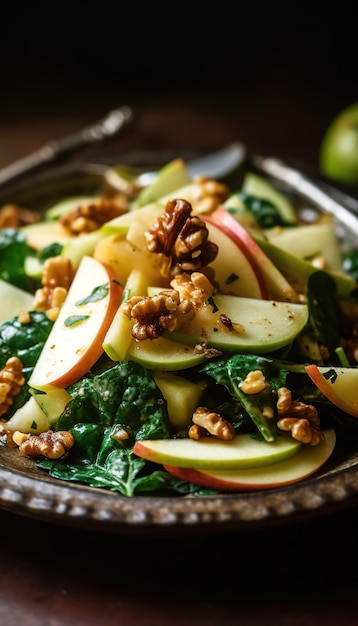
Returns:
<point x="211" y="301"/>
<point x="231" y="279"/>
<point x="75" y="319"/>
<point x="98" y="293"/>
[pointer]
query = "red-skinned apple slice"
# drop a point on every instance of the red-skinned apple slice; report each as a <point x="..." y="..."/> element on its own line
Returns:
<point x="338" y="384"/>
<point x="307" y="461"/>
<point x="75" y="341"/>
<point x="277" y="287"/>
<point x="235" y="272"/>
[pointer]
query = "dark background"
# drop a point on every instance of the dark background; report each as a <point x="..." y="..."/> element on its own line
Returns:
<point x="274" y="78"/>
<point x="283" y="72"/>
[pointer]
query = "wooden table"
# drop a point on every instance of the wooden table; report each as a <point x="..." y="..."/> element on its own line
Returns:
<point x="302" y="573"/>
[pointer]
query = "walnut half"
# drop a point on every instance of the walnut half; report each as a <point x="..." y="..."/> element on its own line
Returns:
<point x="181" y="239"/>
<point x="50" y="444"/>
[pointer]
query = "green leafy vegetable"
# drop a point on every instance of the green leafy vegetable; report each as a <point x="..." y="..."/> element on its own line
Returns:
<point x="26" y="342"/>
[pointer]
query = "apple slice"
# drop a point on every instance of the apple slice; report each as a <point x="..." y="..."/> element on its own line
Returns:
<point x="164" y="354"/>
<point x="29" y="418"/>
<point x="13" y="300"/>
<point x="338" y="384"/>
<point x="210" y="453"/>
<point x="42" y="234"/>
<point x="183" y="397"/>
<point x="118" y="336"/>
<point x="235" y="273"/>
<point x="307" y="461"/>
<point x="75" y="341"/>
<point x="236" y="324"/>
<point x="277" y="285"/>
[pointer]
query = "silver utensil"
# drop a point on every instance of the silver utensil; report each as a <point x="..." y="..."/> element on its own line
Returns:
<point x="106" y="127"/>
<point x="305" y="187"/>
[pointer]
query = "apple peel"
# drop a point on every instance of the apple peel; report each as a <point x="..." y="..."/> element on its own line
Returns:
<point x="307" y="461"/>
<point x="338" y="384"/>
<point x="210" y="453"/>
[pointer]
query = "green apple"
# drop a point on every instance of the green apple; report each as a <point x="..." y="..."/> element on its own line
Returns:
<point x="119" y="334"/>
<point x="298" y="270"/>
<point x="260" y="187"/>
<point x="211" y="453"/>
<point x="78" y="247"/>
<point x="164" y="354"/>
<point x="52" y="403"/>
<point x="277" y="286"/>
<point x="75" y="341"/>
<point x="42" y="234"/>
<point x="338" y="155"/>
<point x="13" y="300"/>
<point x="170" y="177"/>
<point x="29" y="418"/>
<point x="338" y="384"/>
<point x="183" y="397"/>
<point x="309" y="242"/>
<point x="235" y="324"/>
<point x="40" y="412"/>
<point x="307" y="461"/>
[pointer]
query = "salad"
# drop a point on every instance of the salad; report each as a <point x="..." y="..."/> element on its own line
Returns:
<point x="186" y="337"/>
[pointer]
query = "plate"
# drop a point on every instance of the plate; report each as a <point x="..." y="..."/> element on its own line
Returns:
<point x="28" y="491"/>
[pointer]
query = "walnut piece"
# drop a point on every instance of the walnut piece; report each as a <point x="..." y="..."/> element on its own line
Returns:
<point x="13" y="216"/>
<point x="49" y="444"/>
<point x="90" y="216"/>
<point x="206" y="422"/>
<point x="299" y="418"/>
<point x="57" y="275"/>
<point x="255" y="382"/>
<point x="181" y="239"/>
<point x="154" y="315"/>
<point x="208" y="194"/>
<point x="195" y="287"/>
<point x="11" y="382"/>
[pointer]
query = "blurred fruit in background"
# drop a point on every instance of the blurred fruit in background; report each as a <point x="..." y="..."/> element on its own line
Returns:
<point x="338" y="158"/>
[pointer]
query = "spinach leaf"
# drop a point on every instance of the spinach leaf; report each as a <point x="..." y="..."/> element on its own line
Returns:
<point x="26" y="342"/>
<point x="123" y="398"/>
<point x="231" y="372"/>
<point x="13" y="252"/>
<point x="125" y="394"/>
<point x="324" y="316"/>
<point x="265" y="213"/>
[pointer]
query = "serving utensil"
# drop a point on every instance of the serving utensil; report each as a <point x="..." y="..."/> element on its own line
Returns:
<point x="106" y="127"/>
<point x="305" y="187"/>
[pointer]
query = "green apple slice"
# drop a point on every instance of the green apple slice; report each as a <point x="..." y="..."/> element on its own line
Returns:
<point x="260" y="187"/>
<point x="183" y="397"/>
<point x="119" y="334"/>
<point x="164" y="354"/>
<point x="211" y="453"/>
<point x="13" y="300"/>
<point x="170" y="177"/>
<point x="338" y="384"/>
<point x="235" y="324"/>
<point x="42" y="234"/>
<point x="307" y="461"/>
<point x="29" y="418"/>
<point x="297" y="270"/>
